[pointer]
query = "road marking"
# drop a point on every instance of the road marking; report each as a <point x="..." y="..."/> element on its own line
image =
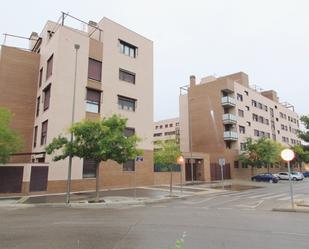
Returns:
<point x="289" y="197"/>
<point x="262" y="195"/>
<point x="255" y="205"/>
<point x="224" y="208"/>
<point x="224" y="202"/>
<point x="199" y="202"/>
<point x="272" y="196"/>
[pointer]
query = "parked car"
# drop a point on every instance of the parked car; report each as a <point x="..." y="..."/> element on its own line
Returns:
<point x="266" y="177"/>
<point x="295" y="176"/>
<point x="306" y="174"/>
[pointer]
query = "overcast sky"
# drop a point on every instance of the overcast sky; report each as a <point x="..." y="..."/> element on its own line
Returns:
<point x="267" y="39"/>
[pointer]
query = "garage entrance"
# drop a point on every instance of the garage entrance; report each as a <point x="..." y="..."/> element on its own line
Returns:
<point x="38" y="178"/>
<point x="215" y="171"/>
<point x="11" y="179"/>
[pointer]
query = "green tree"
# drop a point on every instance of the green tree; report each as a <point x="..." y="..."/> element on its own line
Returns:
<point x="304" y="135"/>
<point x="100" y="140"/>
<point x="167" y="154"/>
<point x="10" y="140"/>
<point x="301" y="155"/>
<point x="261" y="152"/>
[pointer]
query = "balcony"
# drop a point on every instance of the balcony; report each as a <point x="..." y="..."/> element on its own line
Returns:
<point x="228" y="101"/>
<point x="230" y="136"/>
<point x="229" y="118"/>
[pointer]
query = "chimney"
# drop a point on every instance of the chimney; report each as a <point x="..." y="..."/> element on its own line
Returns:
<point x="33" y="39"/>
<point x="192" y="80"/>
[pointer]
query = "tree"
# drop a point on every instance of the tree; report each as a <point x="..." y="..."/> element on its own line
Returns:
<point x="304" y="135"/>
<point x="100" y="140"/>
<point x="301" y="155"/>
<point x="261" y="152"/>
<point x="10" y="140"/>
<point x="167" y="154"/>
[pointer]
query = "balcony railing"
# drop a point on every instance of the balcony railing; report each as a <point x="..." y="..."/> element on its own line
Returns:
<point x="229" y="118"/>
<point x="230" y="135"/>
<point x="228" y="101"/>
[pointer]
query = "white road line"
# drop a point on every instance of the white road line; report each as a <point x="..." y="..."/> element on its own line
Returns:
<point x="199" y="202"/>
<point x="224" y="208"/>
<point x="262" y="195"/>
<point x="223" y="202"/>
<point x="272" y="196"/>
<point x="255" y="205"/>
<point x="288" y="197"/>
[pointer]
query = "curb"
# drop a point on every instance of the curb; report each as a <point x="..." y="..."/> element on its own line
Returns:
<point x="292" y="210"/>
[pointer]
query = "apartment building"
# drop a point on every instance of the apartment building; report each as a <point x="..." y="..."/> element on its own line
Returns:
<point x="221" y="112"/>
<point x="167" y="129"/>
<point x="113" y="70"/>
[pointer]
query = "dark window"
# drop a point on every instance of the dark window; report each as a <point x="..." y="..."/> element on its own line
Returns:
<point x="239" y="97"/>
<point x="240" y="113"/>
<point x="169" y="133"/>
<point x="171" y="125"/>
<point x="44" y="132"/>
<point x="126" y="76"/>
<point x="128" y="132"/>
<point x="129" y="165"/>
<point x="247" y="108"/>
<point x="125" y="103"/>
<point x="256" y="133"/>
<point x="242" y="129"/>
<point x="242" y="146"/>
<point x="254" y="103"/>
<point x="94" y="69"/>
<point x="248" y="123"/>
<point x="93" y="100"/>
<point x="236" y="164"/>
<point x="40" y="77"/>
<point x="38" y="106"/>
<point x="46" y="97"/>
<point x="260" y="105"/>
<point x="255" y="117"/>
<point x="89" y="168"/>
<point x="247" y="93"/>
<point x="128" y="49"/>
<point x="157" y="134"/>
<point x="166" y="125"/>
<point x="49" y="69"/>
<point x="35" y="136"/>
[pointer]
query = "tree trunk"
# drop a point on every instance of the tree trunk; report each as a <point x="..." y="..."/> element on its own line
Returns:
<point x="252" y="170"/>
<point x="268" y="168"/>
<point x="97" y="185"/>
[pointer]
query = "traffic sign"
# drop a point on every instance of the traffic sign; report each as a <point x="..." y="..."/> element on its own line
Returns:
<point x="221" y="161"/>
<point x="139" y="159"/>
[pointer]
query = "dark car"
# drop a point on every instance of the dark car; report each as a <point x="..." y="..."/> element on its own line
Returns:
<point x="266" y="177"/>
<point x="306" y="174"/>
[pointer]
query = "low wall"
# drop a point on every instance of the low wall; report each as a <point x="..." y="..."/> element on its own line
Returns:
<point x="164" y="178"/>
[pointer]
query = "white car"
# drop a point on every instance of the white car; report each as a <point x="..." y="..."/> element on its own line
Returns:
<point x="295" y="176"/>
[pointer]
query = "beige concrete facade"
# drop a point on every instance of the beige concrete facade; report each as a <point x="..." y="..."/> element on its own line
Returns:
<point x="225" y="111"/>
<point x="101" y="44"/>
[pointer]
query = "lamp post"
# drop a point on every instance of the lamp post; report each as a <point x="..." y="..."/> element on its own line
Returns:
<point x="288" y="155"/>
<point x="180" y="160"/>
<point x="76" y="47"/>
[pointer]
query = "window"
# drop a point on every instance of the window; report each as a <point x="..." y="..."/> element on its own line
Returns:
<point x="161" y="126"/>
<point x="169" y="133"/>
<point x="261" y="119"/>
<point x="247" y="108"/>
<point x="166" y="126"/>
<point x="40" y="77"/>
<point x="129" y="165"/>
<point x="247" y="93"/>
<point x="236" y="164"/>
<point x="38" y="106"/>
<point x="248" y="123"/>
<point x="126" y="76"/>
<point x="35" y="136"/>
<point x="125" y="103"/>
<point x="157" y="134"/>
<point x="94" y="69"/>
<point x="254" y="103"/>
<point x="46" y="97"/>
<point x="255" y="117"/>
<point x="244" y="165"/>
<point x="89" y="168"/>
<point x="242" y="146"/>
<point x="177" y="124"/>
<point x="93" y="100"/>
<point x="128" y="49"/>
<point x="265" y="108"/>
<point x="171" y="125"/>
<point x="49" y="70"/>
<point x="256" y="133"/>
<point x="239" y="97"/>
<point x="260" y="105"/>
<point x="44" y="132"/>
<point x="128" y="132"/>
<point x="272" y="112"/>
<point x="242" y="129"/>
<point x="266" y="121"/>
<point x="240" y="113"/>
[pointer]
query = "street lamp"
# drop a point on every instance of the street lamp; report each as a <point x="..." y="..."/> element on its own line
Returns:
<point x="288" y="155"/>
<point x="76" y="47"/>
<point x="180" y="161"/>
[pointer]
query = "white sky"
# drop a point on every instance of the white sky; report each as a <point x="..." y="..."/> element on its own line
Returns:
<point x="267" y="39"/>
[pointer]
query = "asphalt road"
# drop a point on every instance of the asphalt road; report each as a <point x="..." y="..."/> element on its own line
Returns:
<point x="233" y="220"/>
